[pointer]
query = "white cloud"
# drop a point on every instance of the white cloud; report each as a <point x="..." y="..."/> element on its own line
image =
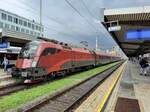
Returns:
<point x="65" y="23"/>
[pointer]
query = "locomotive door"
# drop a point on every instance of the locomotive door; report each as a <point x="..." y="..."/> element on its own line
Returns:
<point x="73" y="59"/>
<point x="95" y="57"/>
<point x="47" y="58"/>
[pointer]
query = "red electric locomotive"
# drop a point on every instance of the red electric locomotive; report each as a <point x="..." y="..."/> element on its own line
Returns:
<point x="41" y="59"/>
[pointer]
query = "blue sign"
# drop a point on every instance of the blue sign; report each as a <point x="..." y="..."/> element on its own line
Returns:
<point x="4" y="45"/>
<point x="143" y="34"/>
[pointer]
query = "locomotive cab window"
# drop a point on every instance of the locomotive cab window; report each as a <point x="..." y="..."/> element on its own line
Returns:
<point x="29" y="50"/>
<point x="49" y="51"/>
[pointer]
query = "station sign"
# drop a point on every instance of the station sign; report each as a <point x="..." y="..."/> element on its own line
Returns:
<point x="114" y="28"/>
<point x="142" y="34"/>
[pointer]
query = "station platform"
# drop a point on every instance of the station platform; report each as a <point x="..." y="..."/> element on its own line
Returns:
<point x="124" y="91"/>
<point x="5" y="79"/>
<point x="132" y="92"/>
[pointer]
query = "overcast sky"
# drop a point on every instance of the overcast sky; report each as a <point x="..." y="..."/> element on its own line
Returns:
<point x="64" y="23"/>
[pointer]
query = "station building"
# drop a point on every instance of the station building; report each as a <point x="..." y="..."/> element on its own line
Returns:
<point x="15" y="31"/>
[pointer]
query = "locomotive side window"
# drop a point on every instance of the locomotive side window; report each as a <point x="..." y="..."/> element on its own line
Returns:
<point x="58" y="50"/>
<point x="49" y="51"/>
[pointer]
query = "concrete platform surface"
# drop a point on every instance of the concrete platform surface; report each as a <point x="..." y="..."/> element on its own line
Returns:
<point x="2" y="73"/>
<point x="5" y="79"/>
<point x="131" y="85"/>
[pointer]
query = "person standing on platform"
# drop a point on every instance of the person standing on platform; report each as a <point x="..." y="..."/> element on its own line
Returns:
<point x="144" y="66"/>
<point x="1" y="61"/>
<point x="5" y="63"/>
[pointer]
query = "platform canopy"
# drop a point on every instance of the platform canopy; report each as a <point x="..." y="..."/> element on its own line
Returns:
<point x="134" y="35"/>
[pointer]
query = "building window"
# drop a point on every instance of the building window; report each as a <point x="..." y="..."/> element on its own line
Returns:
<point x="20" y="21"/>
<point x="37" y="27"/>
<point x="17" y="29"/>
<point x="25" y="23"/>
<point x="38" y="34"/>
<point x="13" y="27"/>
<point x="33" y="26"/>
<point x="9" y="18"/>
<point x="16" y="20"/>
<point x="4" y="16"/>
<point x="1" y="25"/>
<point x="22" y="30"/>
<point x="34" y="34"/>
<point x="29" y="25"/>
<point x="7" y="26"/>
<point x="27" y="31"/>
<point x="31" y="32"/>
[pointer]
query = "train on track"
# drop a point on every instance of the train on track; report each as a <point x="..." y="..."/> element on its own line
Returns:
<point x="42" y="59"/>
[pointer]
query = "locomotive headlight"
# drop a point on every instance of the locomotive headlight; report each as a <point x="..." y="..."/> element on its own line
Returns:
<point x="34" y="63"/>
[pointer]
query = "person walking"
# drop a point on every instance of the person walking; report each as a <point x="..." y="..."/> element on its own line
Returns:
<point x="144" y="66"/>
<point x="5" y="63"/>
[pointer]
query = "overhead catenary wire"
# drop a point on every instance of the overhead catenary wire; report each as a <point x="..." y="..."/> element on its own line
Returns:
<point x="93" y="27"/>
<point x="80" y="14"/>
<point x="49" y="28"/>
<point x="31" y="10"/>
<point x="88" y="10"/>
<point x="50" y="18"/>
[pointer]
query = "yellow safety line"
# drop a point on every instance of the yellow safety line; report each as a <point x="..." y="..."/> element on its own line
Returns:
<point x="119" y="72"/>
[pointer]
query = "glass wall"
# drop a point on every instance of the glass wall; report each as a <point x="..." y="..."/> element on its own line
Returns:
<point x="18" y="24"/>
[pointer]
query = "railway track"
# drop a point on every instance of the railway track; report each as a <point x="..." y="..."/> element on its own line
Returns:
<point x="10" y="89"/>
<point x="69" y="99"/>
<point x="18" y="87"/>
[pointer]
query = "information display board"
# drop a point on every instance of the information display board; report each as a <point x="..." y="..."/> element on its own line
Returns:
<point x="143" y="34"/>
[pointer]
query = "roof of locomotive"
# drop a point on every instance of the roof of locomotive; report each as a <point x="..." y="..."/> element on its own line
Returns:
<point x="51" y="44"/>
<point x="60" y="45"/>
<point x="64" y="46"/>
